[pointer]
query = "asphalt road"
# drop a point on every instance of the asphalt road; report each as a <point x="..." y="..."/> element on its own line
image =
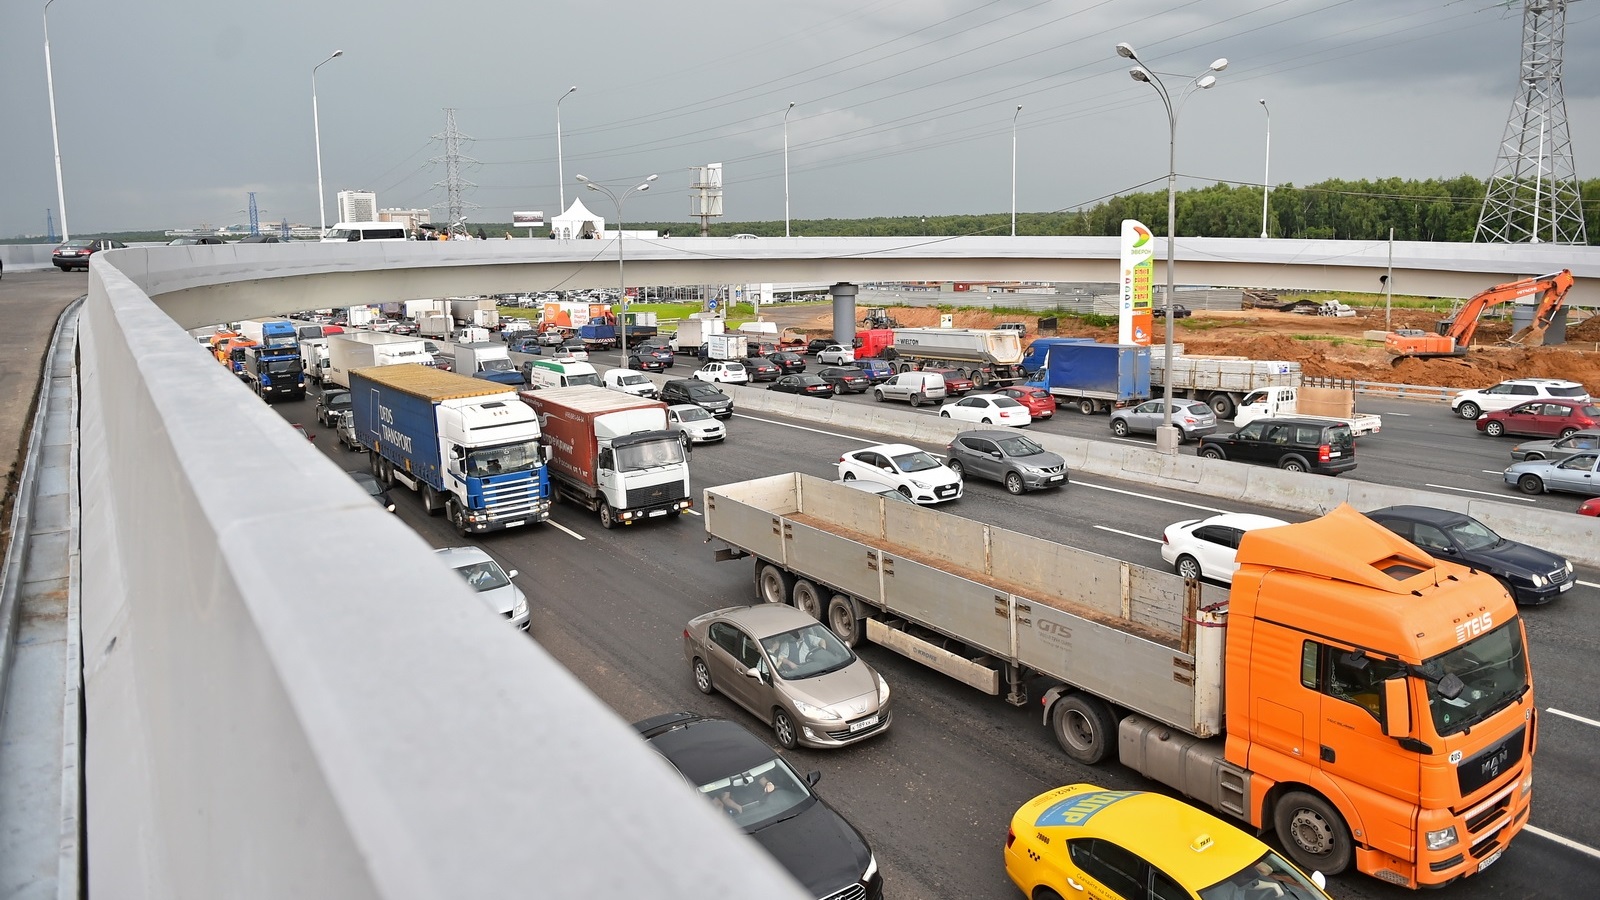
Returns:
<point x="935" y="794"/>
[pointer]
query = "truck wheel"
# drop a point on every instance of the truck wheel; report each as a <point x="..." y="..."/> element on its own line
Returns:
<point x="842" y="620"/>
<point x="807" y="598"/>
<point x="375" y="464"/>
<point x="1468" y="410"/>
<point x="877" y="395"/>
<point x="773" y="584"/>
<point x="1292" y="464"/>
<point x="1494" y="429"/>
<point x="1084" y="727"/>
<point x="432" y="501"/>
<point x="980" y="378"/>
<point x="458" y="518"/>
<point x="1086" y="407"/>
<point x="1119" y="427"/>
<point x="607" y="518"/>
<point x="1313" y="833"/>
<point x="1222" y="405"/>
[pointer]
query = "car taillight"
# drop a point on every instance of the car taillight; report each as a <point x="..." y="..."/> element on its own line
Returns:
<point x="686" y="634"/>
<point x="1324" y="453"/>
<point x="841" y="459"/>
<point x="1011" y="837"/>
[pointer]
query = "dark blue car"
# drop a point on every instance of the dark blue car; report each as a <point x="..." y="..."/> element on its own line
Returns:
<point x="525" y="343"/>
<point x="877" y="370"/>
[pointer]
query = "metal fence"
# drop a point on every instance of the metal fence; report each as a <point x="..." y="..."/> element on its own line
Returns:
<point x="1433" y="393"/>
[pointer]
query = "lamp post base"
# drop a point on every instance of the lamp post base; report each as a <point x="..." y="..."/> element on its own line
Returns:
<point x="1168" y="437"/>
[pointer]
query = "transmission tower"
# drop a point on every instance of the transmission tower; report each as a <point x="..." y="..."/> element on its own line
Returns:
<point x="49" y="227"/>
<point x="453" y="183"/>
<point x="1533" y="194"/>
<point x="255" y="216"/>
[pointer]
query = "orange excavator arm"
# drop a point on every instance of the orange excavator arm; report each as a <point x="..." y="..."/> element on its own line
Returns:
<point x="1553" y="287"/>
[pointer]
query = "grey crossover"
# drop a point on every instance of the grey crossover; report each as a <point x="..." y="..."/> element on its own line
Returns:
<point x="1012" y="459"/>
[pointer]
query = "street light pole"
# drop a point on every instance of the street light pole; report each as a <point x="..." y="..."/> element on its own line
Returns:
<point x="50" y="84"/>
<point x="316" y="127"/>
<point x="786" y="169"/>
<point x="1014" y="169"/>
<point x="1266" y="175"/>
<point x="622" y="294"/>
<point x="561" y="178"/>
<point x="1167" y="435"/>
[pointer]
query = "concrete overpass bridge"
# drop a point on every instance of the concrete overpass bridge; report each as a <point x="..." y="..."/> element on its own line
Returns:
<point x="342" y="732"/>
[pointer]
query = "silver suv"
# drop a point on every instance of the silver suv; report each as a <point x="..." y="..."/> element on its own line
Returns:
<point x="1506" y="394"/>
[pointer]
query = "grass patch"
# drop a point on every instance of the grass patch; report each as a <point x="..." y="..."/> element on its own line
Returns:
<point x="1194" y="323"/>
<point x="1336" y="341"/>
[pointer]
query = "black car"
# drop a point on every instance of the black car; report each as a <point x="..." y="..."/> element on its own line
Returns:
<point x="645" y="361"/>
<point x="261" y="239"/>
<point x="817" y="345"/>
<point x="699" y="393"/>
<point x="762" y="369"/>
<point x="811" y="385"/>
<point x="75" y="254"/>
<point x="332" y="402"/>
<point x="660" y="352"/>
<point x="1530" y="575"/>
<point x="373" y="487"/>
<point x="846" y="379"/>
<point x="763" y="795"/>
<point x="1179" y="311"/>
<point x="790" y="363"/>
<point x="1295" y="445"/>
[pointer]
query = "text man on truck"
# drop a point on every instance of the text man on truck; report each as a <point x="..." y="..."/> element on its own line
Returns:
<point x="1371" y="704"/>
<point x="466" y="445"/>
<point x="613" y="452"/>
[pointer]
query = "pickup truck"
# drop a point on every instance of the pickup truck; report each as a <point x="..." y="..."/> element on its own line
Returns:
<point x="1309" y="403"/>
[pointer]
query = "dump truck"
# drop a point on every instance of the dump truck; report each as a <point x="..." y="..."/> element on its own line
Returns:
<point x="1371" y="704"/>
<point x="613" y="453"/>
<point x="1221" y="382"/>
<point x="1095" y="377"/>
<point x="468" y="446"/>
<point x="988" y="356"/>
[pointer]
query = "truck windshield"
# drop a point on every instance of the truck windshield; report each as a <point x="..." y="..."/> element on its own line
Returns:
<point x="575" y="380"/>
<point x="634" y="457"/>
<point x="518" y="457"/>
<point x="1493" y="672"/>
<point x="284" y="367"/>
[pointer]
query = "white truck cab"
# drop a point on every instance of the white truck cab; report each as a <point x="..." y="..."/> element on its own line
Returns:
<point x="1331" y="404"/>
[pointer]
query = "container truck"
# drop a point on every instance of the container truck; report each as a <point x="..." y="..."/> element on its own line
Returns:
<point x="467" y="446"/>
<point x="985" y="355"/>
<point x="489" y="360"/>
<point x="1095" y="377"/>
<point x="314" y="357"/>
<point x="439" y="325"/>
<point x="360" y="316"/>
<point x="269" y="333"/>
<point x="726" y="346"/>
<point x="1371" y="704"/>
<point x="415" y="309"/>
<point x="275" y="373"/>
<point x="613" y="453"/>
<point x="479" y="312"/>
<point x="1325" y="404"/>
<point x="598" y="334"/>
<point x="1033" y="359"/>
<point x="692" y="332"/>
<point x="1218" y="381"/>
<point x="361" y="349"/>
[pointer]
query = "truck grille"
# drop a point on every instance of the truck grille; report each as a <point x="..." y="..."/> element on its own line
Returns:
<point x="655" y="495"/>
<point x="1491" y="763"/>
<point x="512" y="499"/>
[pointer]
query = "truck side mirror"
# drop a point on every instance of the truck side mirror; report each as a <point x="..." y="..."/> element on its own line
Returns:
<point x="546" y="452"/>
<point x="457" y="452"/>
<point x="1396" y="708"/>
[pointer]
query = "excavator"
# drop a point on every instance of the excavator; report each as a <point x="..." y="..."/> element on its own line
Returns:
<point x="1455" y="334"/>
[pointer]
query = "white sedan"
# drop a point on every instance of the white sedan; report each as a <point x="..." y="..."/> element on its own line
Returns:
<point x="718" y="372"/>
<point x="987" y="409"/>
<point x="1205" y="548"/>
<point x="695" y="424"/>
<point x="909" y="470"/>
<point x="836" y="355"/>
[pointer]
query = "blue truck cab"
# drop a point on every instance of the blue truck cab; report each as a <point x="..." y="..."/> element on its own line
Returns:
<point x="275" y="372"/>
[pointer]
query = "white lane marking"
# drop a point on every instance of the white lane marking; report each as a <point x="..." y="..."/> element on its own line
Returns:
<point x="1101" y="487"/>
<point x="1565" y="842"/>
<point x="554" y="524"/>
<point x="1573" y="716"/>
<point x="1408" y="415"/>
<point x="848" y="437"/>
<point x="1496" y="495"/>
<point x="1129" y="534"/>
<point x="1491" y="472"/>
<point x="692" y="512"/>
<point x="1589" y="584"/>
<point x="1129" y="441"/>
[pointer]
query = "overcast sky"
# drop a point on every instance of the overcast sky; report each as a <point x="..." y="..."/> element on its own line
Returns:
<point x="170" y="113"/>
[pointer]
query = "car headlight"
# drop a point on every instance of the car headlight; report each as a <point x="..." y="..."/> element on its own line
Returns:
<point x="1538" y="580"/>
<point x="520" y="607"/>
<point x="916" y="483"/>
<point x="872" y="867"/>
<point x="1442" y="839"/>
<point x="883" y="691"/>
<point x="814" y="712"/>
<point x="1569" y="567"/>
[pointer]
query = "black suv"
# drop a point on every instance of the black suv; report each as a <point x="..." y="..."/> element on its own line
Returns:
<point x="705" y="396"/>
<point x="1297" y="445"/>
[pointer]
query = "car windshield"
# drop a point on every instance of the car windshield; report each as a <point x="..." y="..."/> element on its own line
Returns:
<point x="1269" y="876"/>
<point x="1574" y="391"/>
<point x="1491" y="670"/>
<point x="1470" y="534"/>
<point x="496" y="365"/>
<point x="336" y="401"/>
<point x="78" y="245"/>
<point x="631" y="379"/>
<point x="575" y="380"/>
<point x="1341" y="437"/>
<point x="634" y="457"/>
<point x="1018" y="446"/>
<point x="807" y="652"/>
<point x="706" y="393"/>
<point x="1005" y="403"/>
<point x="692" y="414"/>
<point x="484" y="576"/>
<point x="760" y="794"/>
<point x="485" y="461"/>
<point x="915" y="462"/>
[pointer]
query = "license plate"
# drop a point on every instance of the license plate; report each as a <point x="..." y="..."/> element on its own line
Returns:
<point x="1057" y="477"/>
<point x="1489" y="860"/>
<point x="657" y="512"/>
<point x="870" y="721"/>
<point x="1334" y="453"/>
<point x="516" y="523"/>
<point x="1566" y="586"/>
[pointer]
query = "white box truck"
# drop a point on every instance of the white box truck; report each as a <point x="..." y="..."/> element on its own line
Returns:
<point x="361" y="349"/>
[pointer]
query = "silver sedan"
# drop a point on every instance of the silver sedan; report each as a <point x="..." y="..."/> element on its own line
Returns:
<point x="1578" y="474"/>
<point x="789" y="671"/>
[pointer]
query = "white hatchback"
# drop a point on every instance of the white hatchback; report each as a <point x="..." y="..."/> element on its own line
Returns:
<point x="909" y="470"/>
<point x="1205" y="548"/>
<point x="723" y="372"/>
<point x="987" y="409"/>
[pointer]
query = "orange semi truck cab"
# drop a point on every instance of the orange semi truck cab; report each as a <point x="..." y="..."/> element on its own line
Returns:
<point x="1379" y="702"/>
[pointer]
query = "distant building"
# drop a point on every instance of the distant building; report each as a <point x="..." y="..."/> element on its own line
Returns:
<point x="411" y="217"/>
<point x="358" y="206"/>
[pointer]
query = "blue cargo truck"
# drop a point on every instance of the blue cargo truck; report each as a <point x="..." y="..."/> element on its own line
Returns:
<point x="598" y="335"/>
<point x="468" y="446"/>
<point x="1095" y="377"/>
<point x="275" y="372"/>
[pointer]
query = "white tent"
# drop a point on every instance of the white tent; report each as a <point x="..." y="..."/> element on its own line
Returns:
<point x="577" y="222"/>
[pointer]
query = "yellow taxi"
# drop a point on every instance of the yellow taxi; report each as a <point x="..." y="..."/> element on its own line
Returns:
<point x="1083" y="841"/>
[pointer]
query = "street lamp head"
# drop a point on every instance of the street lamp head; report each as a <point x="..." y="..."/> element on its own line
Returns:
<point x="1206" y="82"/>
<point x="1219" y="65"/>
<point x="337" y="54"/>
<point x="582" y="180"/>
<point x="1125" y="50"/>
<point x="1139" y="74"/>
<point x="791" y="104"/>
<point x="1262" y="101"/>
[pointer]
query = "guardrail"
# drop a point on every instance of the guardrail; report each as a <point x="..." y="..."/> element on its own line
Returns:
<point x="1433" y="393"/>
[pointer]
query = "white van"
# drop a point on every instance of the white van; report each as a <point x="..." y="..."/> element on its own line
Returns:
<point x="630" y="382"/>
<point x="917" y="387"/>
<point x="549" y="373"/>
<point x="366" y="231"/>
